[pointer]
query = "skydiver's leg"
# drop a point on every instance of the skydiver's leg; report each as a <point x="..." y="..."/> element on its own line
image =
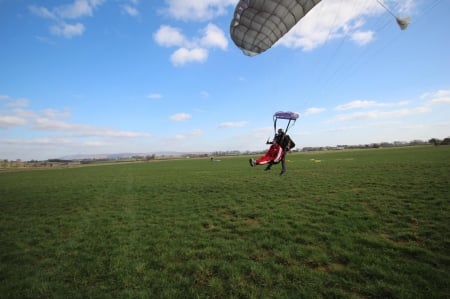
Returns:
<point x="283" y="165"/>
<point x="269" y="165"/>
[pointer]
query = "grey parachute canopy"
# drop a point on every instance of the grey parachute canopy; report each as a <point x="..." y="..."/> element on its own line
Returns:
<point x="291" y="117"/>
<point x="258" y="24"/>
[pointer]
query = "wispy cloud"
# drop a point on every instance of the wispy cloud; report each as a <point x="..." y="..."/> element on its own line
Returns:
<point x="196" y="132"/>
<point x="237" y="124"/>
<point x="18" y="103"/>
<point x="130" y="10"/>
<point x="154" y="96"/>
<point x="67" y="30"/>
<point x="52" y="120"/>
<point x="314" y="110"/>
<point x="439" y="97"/>
<point x="197" y="10"/>
<point x="82" y="130"/>
<point x="362" y="104"/>
<point x="180" y="117"/>
<point x="8" y="121"/>
<point x="62" y="15"/>
<point x="375" y="114"/>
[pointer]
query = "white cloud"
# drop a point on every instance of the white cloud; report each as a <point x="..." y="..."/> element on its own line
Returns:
<point x="18" y="103"/>
<point x="196" y="132"/>
<point x="356" y="104"/>
<point x="363" y="37"/>
<point x="380" y="114"/>
<point x="404" y="7"/>
<point x="42" y="12"/>
<point x="130" y="10"/>
<point x="42" y="123"/>
<point x="190" y="50"/>
<point x="361" y="104"/>
<point x="180" y="117"/>
<point x="177" y="137"/>
<point x="67" y="30"/>
<point x="50" y="120"/>
<point x="330" y="20"/>
<point x="58" y="135"/>
<point x="81" y="130"/>
<point x="182" y="56"/>
<point x="7" y="121"/>
<point x="75" y="10"/>
<point x="313" y="110"/>
<point x="154" y="96"/>
<point x="238" y="124"/>
<point x="198" y="10"/>
<point x="111" y="133"/>
<point x="53" y="113"/>
<point x="439" y="97"/>
<point x="214" y="37"/>
<point x="169" y="36"/>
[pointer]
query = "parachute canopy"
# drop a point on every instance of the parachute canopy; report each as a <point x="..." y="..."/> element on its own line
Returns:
<point x="290" y="116"/>
<point x="286" y="115"/>
<point x="258" y="24"/>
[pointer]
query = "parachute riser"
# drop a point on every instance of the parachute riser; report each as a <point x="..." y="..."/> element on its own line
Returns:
<point x="291" y="117"/>
<point x="287" y="126"/>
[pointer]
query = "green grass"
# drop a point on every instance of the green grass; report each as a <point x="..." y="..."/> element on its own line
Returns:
<point x="348" y="224"/>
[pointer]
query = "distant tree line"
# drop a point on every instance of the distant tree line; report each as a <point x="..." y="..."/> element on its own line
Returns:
<point x="5" y="163"/>
<point x="433" y="141"/>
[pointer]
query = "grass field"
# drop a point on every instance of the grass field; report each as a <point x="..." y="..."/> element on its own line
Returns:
<point x="347" y="224"/>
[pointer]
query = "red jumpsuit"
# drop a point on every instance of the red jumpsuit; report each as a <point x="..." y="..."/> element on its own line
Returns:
<point x="273" y="155"/>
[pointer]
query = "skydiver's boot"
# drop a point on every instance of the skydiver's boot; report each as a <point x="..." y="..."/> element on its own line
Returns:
<point x="252" y="162"/>
<point x="268" y="167"/>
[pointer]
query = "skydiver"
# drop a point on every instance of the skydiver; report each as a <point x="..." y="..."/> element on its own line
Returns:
<point x="286" y="144"/>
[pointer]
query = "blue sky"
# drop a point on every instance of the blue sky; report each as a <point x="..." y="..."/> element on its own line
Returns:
<point x="103" y="76"/>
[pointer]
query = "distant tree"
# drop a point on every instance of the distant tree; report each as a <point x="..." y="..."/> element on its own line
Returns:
<point x="5" y="163"/>
<point x="434" y="141"/>
<point x="417" y="142"/>
<point x="446" y="141"/>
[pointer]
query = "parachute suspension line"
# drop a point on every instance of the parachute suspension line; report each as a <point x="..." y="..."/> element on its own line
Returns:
<point x="324" y="64"/>
<point x="426" y="10"/>
<point x="275" y="124"/>
<point x="358" y="60"/>
<point x="387" y="9"/>
<point x="329" y="81"/>
<point x="287" y="126"/>
<point x="402" y="22"/>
